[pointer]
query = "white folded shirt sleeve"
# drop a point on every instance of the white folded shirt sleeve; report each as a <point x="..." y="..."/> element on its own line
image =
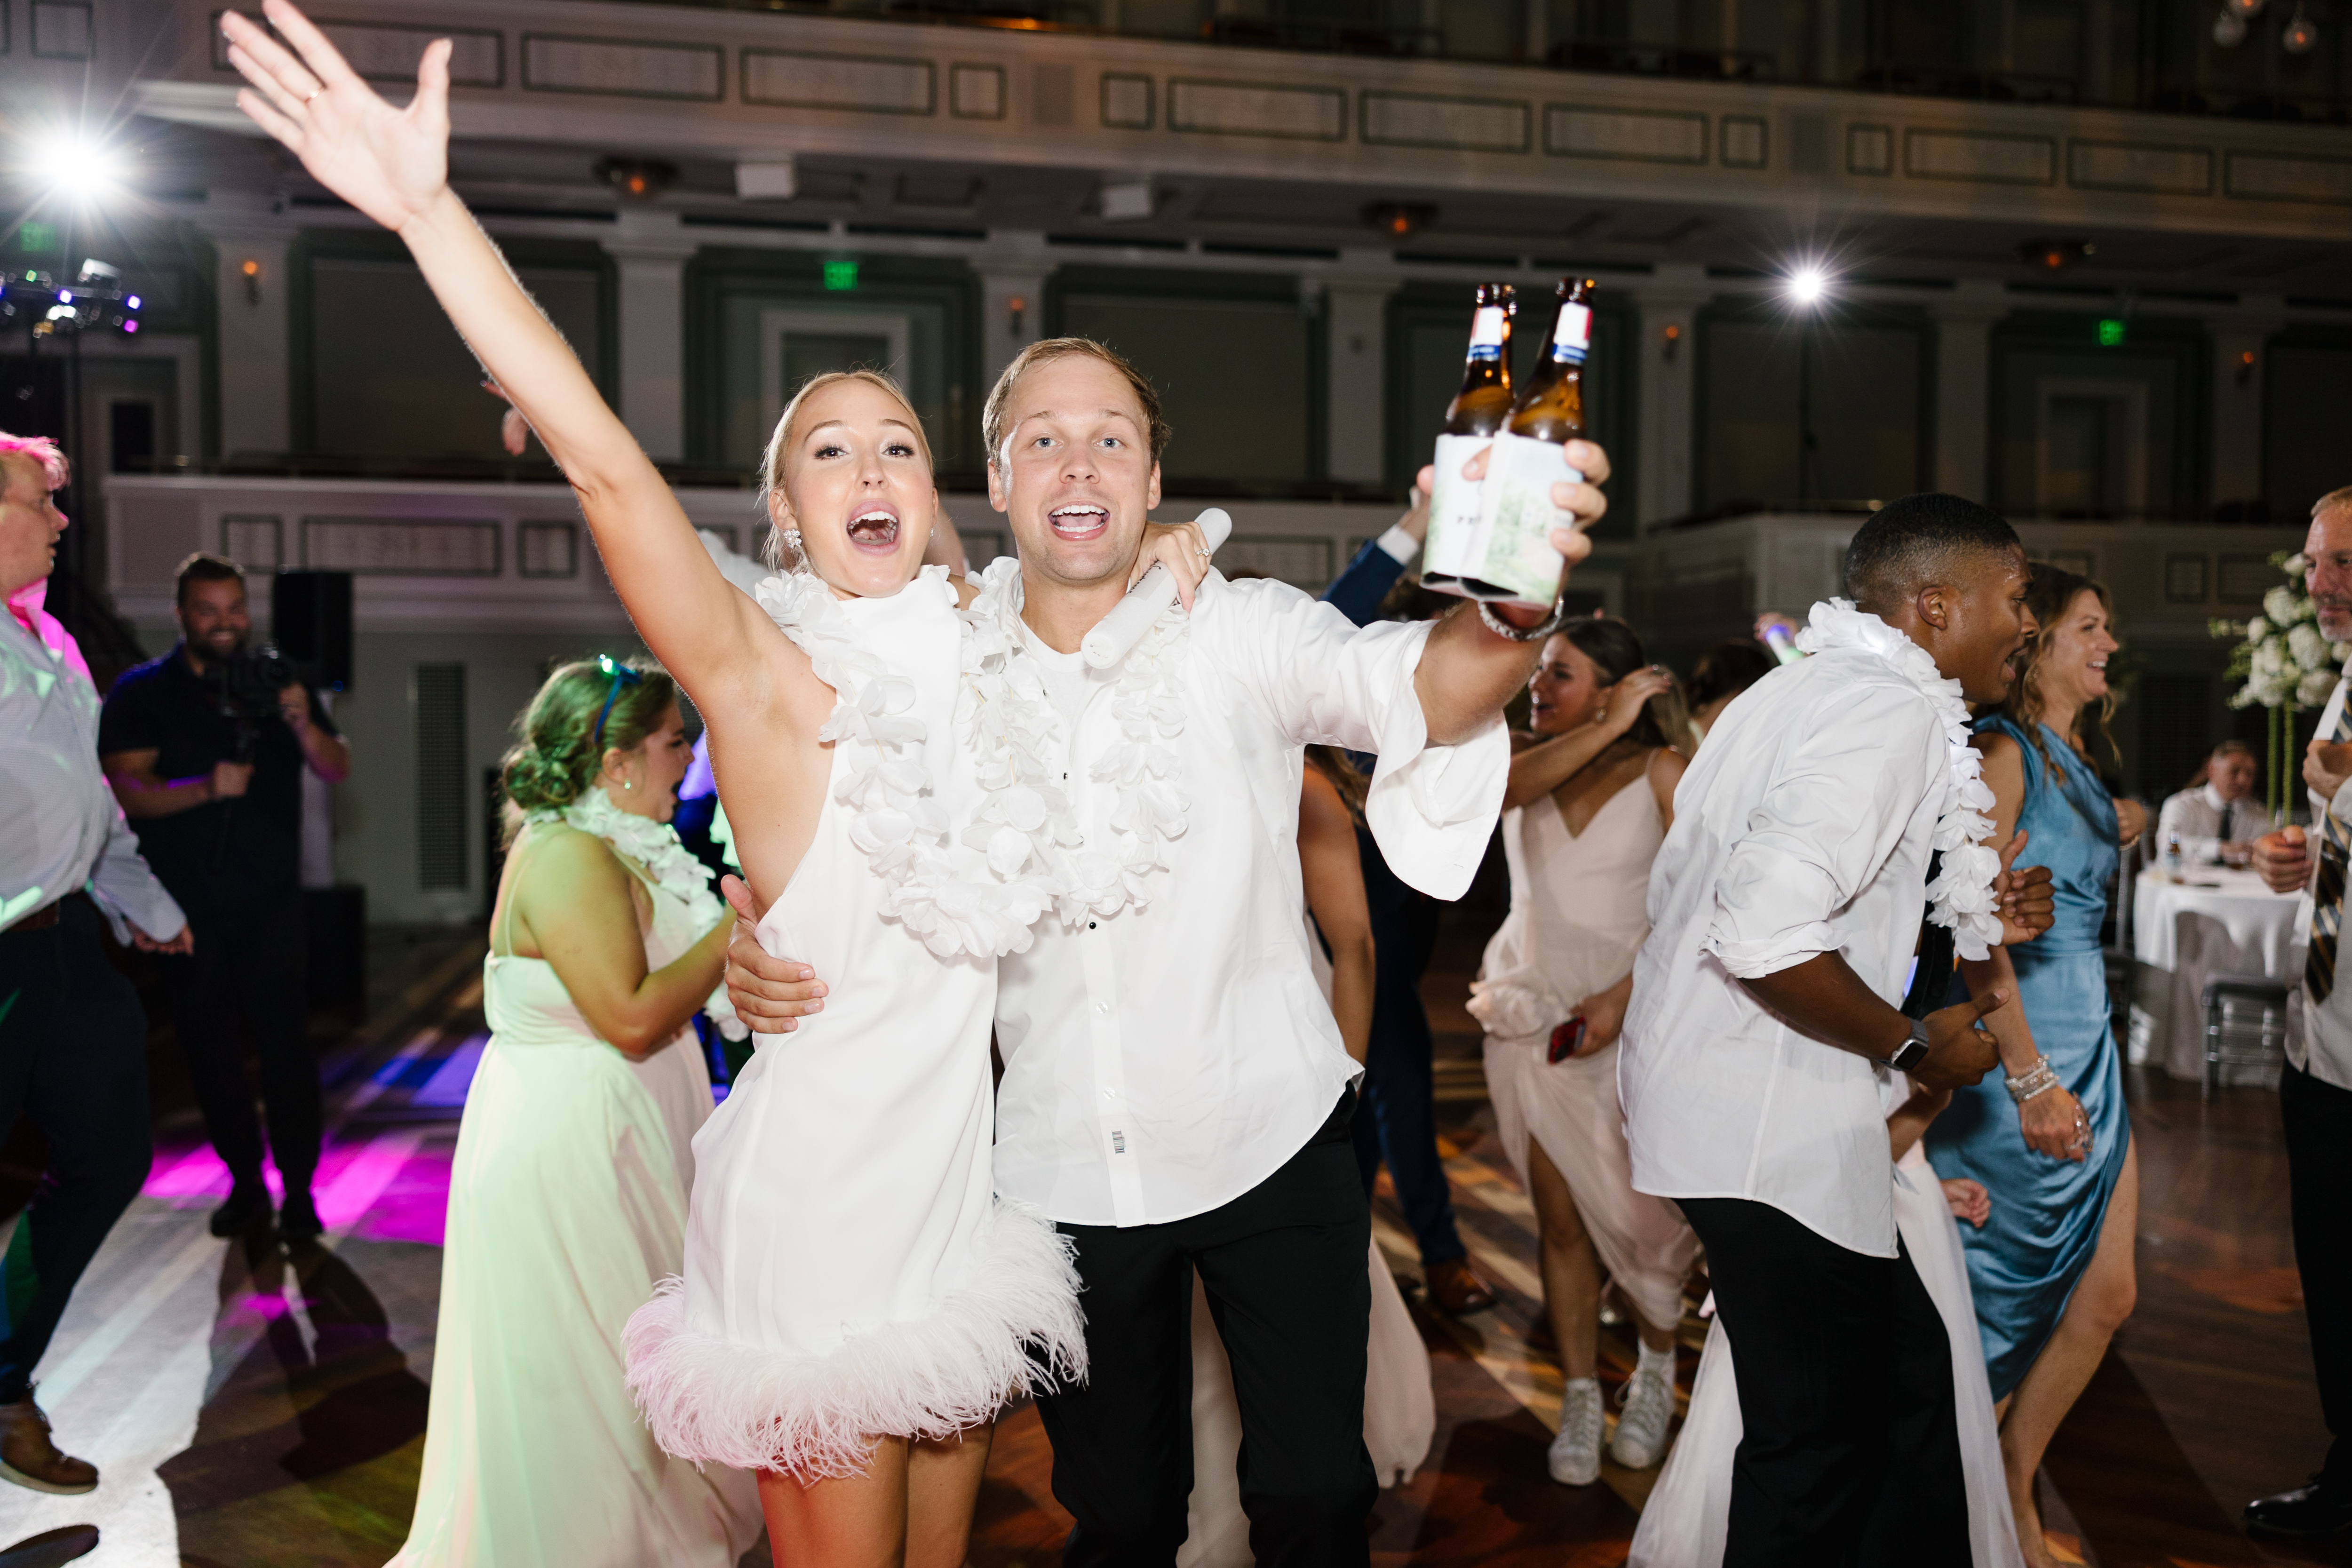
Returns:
<point x="1326" y="681"/>
<point x="2339" y="806"/>
<point x="1844" y="792"/>
<point x="123" y="886"/>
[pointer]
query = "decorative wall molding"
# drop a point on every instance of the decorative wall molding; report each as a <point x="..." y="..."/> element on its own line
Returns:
<point x="869" y="84"/>
<point x="1425" y="120"/>
<point x="547" y="549"/>
<point x="62" y="30"/>
<point x="2146" y="167"/>
<point x="623" y="67"/>
<point x="2267" y="176"/>
<point x="976" y="92"/>
<point x="1126" y="100"/>
<point x="1633" y="136"/>
<point x="401" y="547"/>
<point x="1986" y="159"/>
<point x="388" y="51"/>
<point x="1257" y="108"/>
<point x="1743" y="141"/>
<point x="1869" y="150"/>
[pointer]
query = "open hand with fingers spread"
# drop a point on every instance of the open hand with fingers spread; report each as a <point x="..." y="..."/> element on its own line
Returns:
<point x="391" y="164"/>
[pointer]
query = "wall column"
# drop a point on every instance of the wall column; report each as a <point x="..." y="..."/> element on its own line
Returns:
<point x="1013" y="273"/>
<point x="651" y="251"/>
<point x="253" y="397"/>
<point x="1666" y="387"/>
<point x="1964" y="388"/>
<point x="2236" y="465"/>
<point x="1356" y="374"/>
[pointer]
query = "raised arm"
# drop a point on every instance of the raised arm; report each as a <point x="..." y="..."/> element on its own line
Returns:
<point x="392" y="165"/>
<point x="1543" y="767"/>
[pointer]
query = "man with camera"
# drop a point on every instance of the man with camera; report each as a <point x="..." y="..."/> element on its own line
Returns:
<point x="73" y="1039"/>
<point x="206" y="747"/>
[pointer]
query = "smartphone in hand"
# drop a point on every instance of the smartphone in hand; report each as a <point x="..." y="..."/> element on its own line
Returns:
<point x="1565" y="1040"/>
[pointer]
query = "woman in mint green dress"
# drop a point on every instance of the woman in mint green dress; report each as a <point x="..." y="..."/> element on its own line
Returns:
<point x="2050" y="1269"/>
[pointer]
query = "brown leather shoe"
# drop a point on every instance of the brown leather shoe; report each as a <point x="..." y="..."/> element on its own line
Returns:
<point x="29" y="1458"/>
<point x="1455" y="1290"/>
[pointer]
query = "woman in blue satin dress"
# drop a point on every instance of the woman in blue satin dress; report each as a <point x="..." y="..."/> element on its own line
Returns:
<point x="2051" y="1267"/>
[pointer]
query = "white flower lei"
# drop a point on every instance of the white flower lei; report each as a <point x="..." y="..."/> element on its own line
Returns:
<point x="955" y="902"/>
<point x="1960" y="899"/>
<point x="1026" y="820"/>
<point x="668" y="862"/>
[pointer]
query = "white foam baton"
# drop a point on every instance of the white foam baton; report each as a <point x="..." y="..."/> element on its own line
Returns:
<point x="1121" y="630"/>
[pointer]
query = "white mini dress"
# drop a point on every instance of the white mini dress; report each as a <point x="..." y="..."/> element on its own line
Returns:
<point x="849" y="1272"/>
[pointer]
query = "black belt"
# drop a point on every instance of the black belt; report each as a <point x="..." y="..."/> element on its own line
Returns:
<point x="45" y="916"/>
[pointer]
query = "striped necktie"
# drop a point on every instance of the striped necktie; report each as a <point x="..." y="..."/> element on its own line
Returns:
<point x="2327" y="889"/>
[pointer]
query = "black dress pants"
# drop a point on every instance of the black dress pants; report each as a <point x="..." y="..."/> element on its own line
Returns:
<point x="73" y="1055"/>
<point x="250" y="965"/>
<point x="1850" y="1451"/>
<point x="2318" y="1120"/>
<point x="1284" y="1269"/>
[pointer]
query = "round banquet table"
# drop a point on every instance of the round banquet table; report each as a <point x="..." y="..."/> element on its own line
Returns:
<point x="2212" y="920"/>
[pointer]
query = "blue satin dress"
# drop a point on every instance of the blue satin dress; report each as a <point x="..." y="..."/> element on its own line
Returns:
<point x="2046" y="1212"/>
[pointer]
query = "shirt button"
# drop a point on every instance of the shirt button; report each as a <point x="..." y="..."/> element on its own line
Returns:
<point x="1102" y="1007"/>
<point x="1110" y="1094"/>
<point x="1090" y="925"/>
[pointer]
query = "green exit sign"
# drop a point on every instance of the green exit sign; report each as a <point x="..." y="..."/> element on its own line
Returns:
<point x="2111" y="333"/>
<point x="37" y="236"/>
<point x="840" y="275"/>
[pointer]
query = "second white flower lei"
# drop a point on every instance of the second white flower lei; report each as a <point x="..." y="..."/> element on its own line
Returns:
<point x="1960" y="899"/>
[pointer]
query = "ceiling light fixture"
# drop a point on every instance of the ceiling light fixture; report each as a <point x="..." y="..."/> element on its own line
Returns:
<point x="2300" y="35"/>
<point x="1127" y="201"/>
<point x="1806" y="286"/>
<point x="1400" y="220"/>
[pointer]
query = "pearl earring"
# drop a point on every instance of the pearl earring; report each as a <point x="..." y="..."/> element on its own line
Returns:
<point x="627" y="785"/>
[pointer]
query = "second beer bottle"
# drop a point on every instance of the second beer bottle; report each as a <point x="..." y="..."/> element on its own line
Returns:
<point x="1515" y="562"/>
<point x="1472" y="420"/>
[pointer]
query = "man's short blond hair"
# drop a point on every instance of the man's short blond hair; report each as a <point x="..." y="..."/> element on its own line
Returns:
<point x="995" y="415"/>
<point x="2334" y="501"/>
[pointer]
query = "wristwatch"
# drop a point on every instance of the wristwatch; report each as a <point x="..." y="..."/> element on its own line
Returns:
<point x="1912" y="1050"/>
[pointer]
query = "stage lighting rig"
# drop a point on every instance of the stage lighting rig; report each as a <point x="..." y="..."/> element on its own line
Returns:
<point x="95" y="301"/>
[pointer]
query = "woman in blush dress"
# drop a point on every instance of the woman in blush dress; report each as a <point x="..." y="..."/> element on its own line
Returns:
<point x="567" y="1197"/>
<point x="1590" y="797"/>
<point x="2052" y="1272"/>
<point x="1400" y="1408"/>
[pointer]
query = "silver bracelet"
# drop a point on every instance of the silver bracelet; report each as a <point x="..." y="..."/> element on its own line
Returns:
<point x="1537" y="633"/>
<point x="2039" y="1078"/>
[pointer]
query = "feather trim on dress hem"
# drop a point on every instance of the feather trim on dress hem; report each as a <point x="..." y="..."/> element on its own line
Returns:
<point x="1013" y="1326"/>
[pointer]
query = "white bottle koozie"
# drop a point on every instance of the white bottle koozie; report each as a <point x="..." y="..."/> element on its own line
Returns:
<point x="1455" y="508"/>
<point x="1517" y="519"/>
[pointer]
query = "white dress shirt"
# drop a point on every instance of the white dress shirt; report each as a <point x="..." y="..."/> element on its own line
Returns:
<point x="2199" y="816"/>
<point x="1161" y="1061"/>
<point x="2323" y="1047"/>
<point x="1802" y="827"/>
<point x="60" y="829"/>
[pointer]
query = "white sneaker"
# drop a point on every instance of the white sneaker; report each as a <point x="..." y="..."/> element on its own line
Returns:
<point x="1648" y="1406"/>
<point x="1575" y="1457"/>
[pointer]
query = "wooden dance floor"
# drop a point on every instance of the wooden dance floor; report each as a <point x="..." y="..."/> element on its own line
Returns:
<point x="249" y="1412"/>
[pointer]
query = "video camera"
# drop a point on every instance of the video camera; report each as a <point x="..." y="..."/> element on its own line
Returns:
<point x="246" y="689"/>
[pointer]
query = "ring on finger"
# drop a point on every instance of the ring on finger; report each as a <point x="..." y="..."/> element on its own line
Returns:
<point x="313" y="93"/>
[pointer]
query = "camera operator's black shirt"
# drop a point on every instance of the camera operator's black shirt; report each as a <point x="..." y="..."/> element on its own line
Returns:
<point x="224" y="854"/>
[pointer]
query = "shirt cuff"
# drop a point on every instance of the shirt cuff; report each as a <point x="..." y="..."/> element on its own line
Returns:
<point x="1769" y="955"/>
<point x="1431" y="809"/>
<point x="1400" y="546"/>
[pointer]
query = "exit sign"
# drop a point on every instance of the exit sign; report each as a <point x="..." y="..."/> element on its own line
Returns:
<point x="840" y="275"/>
<point x="2111" y="333"/>
<point x="37" y="236"/>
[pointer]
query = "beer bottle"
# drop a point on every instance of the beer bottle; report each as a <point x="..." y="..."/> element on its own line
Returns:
<point x="1517" y="563"/>
<point x="1472" y="419"/>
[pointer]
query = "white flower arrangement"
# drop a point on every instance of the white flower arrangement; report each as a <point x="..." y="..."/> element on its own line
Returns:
<point x="2288" y="667"/>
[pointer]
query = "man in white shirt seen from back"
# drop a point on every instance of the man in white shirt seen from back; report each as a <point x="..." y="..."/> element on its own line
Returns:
<point x="1175" y="1095"/>
<point x="2315" y="1086"/>
<point x="2216" y="819"/>
<point x="1785" y="908"/>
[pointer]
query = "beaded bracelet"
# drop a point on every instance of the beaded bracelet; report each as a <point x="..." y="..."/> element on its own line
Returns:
<point x="2033" y="1081"/>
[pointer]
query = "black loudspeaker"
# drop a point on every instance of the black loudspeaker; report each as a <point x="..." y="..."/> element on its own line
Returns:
<point x="311" y="622"/>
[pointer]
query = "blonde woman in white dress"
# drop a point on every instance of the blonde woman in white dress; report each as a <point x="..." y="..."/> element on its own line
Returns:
<point x="1400" y="1406"/>
<point x="1590" y="797"/>
<point x="854" y="1305"/>
<point x="568" y="1196"/>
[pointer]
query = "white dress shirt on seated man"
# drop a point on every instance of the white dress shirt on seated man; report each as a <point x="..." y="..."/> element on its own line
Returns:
<point x="1162" y="1061"/>
<point x="2323" y="1047"/>
<point x="2205" y="821"/>
<point x="60" y="829"/>
<point x="1803" y="827"/>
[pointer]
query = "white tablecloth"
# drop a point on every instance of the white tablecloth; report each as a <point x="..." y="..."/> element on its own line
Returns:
<point x="2215" y="921"/>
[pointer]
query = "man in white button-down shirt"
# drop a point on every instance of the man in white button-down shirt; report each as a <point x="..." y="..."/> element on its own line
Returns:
<point x="1175" y="1095"/>
<point x="73" y="1039"/>
<point x="2315" y="1086"/>
<point x="1785" y="911"/>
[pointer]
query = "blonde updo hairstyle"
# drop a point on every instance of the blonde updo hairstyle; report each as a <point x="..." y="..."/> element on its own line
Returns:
<point x="773" y="457"/>
<point x="559" y="753"/>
